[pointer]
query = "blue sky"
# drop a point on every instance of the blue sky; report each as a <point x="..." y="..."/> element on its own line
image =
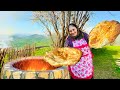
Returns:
<point x="12" y="22"/>
<point x="99" y="16"/>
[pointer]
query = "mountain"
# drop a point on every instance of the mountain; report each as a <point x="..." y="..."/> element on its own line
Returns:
<point x="19" y="40"/>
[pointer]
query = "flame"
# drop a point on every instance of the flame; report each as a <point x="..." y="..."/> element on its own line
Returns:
<point x="33" y="65"/>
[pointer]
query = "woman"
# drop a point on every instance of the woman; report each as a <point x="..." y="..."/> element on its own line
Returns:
<point x="78" y="39"/>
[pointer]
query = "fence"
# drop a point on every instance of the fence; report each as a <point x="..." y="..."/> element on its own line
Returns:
<point x="10" y="54"/>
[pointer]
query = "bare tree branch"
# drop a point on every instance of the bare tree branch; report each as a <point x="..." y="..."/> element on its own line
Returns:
<point x="47" y="29"/>
<point x="63" y="27"/>
<point x="60" y="20"/>
<point x="68" y="16"/>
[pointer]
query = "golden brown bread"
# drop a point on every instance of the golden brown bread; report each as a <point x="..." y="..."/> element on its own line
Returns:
<point x="104" y="33"/>
<point x="63" y="56"/>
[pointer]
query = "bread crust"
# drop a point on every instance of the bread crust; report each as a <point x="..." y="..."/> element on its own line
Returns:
<point x="63" y="56"/>
<point x="104" y="33"/>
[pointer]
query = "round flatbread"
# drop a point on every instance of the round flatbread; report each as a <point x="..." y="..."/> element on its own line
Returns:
<point x="104" y="33"/>
<point x="63" y="56"/>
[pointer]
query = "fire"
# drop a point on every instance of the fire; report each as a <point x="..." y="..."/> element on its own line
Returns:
<point x="33" y="65"/>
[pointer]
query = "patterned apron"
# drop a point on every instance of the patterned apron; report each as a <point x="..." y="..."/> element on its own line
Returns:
<point x="84" y="68"/>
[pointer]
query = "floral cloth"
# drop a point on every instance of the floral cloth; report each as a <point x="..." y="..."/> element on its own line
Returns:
<point x="84" y="68"/>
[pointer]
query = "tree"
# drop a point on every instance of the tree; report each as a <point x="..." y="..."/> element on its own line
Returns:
<point x="56" y="23"/>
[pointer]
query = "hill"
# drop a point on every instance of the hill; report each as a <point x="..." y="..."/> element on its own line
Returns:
<point x="19" y="40"/>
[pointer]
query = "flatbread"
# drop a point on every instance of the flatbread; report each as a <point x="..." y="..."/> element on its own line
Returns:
<point x="104" y="33"/>
<point x="63" y="56"/>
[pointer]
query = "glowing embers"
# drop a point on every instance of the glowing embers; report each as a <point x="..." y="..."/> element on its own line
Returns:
<point x="33" y="65"/>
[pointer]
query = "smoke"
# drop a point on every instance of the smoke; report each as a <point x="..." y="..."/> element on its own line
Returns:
<point x="5" y="41"/>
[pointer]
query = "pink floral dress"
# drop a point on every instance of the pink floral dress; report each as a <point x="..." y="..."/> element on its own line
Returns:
<point x="84" y="68"/>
